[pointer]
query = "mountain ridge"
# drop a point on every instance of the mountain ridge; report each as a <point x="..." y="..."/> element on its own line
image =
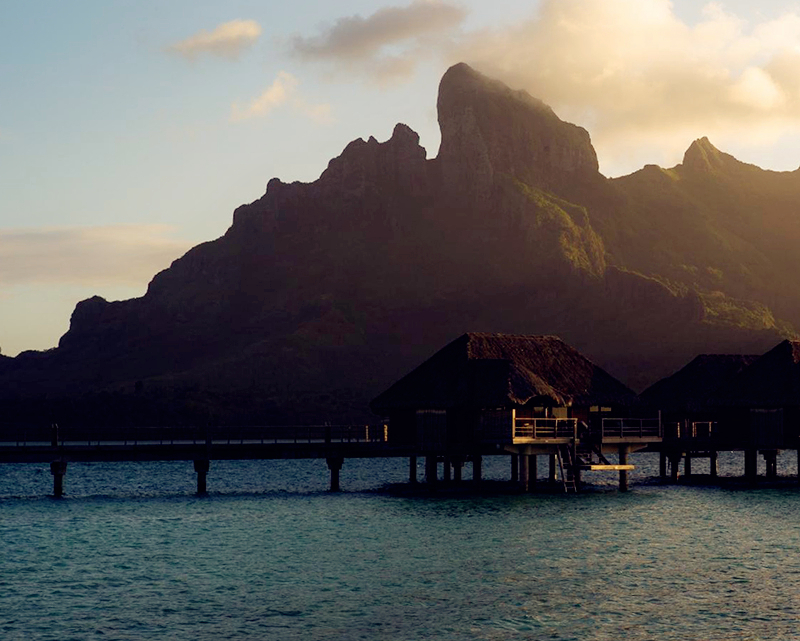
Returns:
<point x="320" y="294"/>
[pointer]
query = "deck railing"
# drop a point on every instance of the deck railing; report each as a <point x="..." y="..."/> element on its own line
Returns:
<point x="631" y="428"/>
<point x="691" y="430"/>
<point x="545" y="428"/>
<point x="26" y="436"/>
<point x="702" y="429"/>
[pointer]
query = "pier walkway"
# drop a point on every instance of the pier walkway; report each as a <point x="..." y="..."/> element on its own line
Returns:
<point x="59" y="447"/>
<point x="569" y="454"/>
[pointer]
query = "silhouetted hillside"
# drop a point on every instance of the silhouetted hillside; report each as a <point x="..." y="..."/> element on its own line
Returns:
<point x="321" y="294"/>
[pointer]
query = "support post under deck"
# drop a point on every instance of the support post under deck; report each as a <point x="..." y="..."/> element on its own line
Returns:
<point x="771" y="461"/>
<point x="751" y="464"/>
<point x="523" y="472"/>
<point x="623" y="474"/>
<point x="515" y="468"/>
<point x="58" y="469"/>
<point x="412" y="469"/>
<point x="431" y="469"/>
<point x="201" y="466"/>
<point x="687" y="465"/>
<point x="458" y="467"/>
<point x="712" y="464"/>
<point x="533" y="470"/>
<point x="551" y="473"/>
<point x="335" y="465"/>
<point x="674" y="464"/>
<point x="477" y="469"/>
<point x="662" y="464"/>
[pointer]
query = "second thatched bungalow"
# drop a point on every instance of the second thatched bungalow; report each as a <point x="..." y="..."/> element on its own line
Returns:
<point x="693" y="426"/>
<point x="762" y="405"/>
<point x="516" y="394"/>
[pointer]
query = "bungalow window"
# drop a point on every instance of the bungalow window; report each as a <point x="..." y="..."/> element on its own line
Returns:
<point x="528" y="412"/>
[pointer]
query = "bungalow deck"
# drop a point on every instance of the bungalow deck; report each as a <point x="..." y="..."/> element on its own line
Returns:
<point x="574" y="446"/>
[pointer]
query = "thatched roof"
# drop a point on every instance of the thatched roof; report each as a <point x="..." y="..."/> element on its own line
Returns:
<point x="772" y="381"/>
<point x="501" y="370"/>
<point x="690" y="388"/>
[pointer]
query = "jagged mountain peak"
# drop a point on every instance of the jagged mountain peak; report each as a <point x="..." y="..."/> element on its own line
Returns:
<point x="372" y="158"/>
<point x="489" y="129"/>
<point x="465" y="80"/>
<point x="703" y="156"/>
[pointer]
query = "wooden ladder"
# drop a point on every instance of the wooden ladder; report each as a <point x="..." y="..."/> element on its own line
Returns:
<point x="565" y="465"/>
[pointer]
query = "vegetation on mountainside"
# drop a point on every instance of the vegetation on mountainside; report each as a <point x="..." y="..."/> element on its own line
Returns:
<point x="719" y="226"/>
<point x="570" y="232"/>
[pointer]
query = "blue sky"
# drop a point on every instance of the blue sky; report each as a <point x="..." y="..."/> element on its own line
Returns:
<point x="130" y="130"/>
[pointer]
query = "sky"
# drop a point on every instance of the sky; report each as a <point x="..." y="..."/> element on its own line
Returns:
<point x="131" y="129"/>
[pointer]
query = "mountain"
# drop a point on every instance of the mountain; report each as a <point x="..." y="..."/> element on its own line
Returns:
<point x="322" y="294"/>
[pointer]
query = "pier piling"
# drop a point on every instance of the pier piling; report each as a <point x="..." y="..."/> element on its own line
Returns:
<point x="524" y="463"/>
<point x="477" y="469"/>
<point x="751" y="465"/>
<point x="202" y="467"/>
<point x="58" y="469"/>
<point x="674" y="464"/>
<point x="458" y="467"/>
<point x="431" y="469"/>
<point x="335" y="465"/>
<point x="771" y="461"/>
<point x="623" y="474"/>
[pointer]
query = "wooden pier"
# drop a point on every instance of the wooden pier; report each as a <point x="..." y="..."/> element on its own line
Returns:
<point x="568" y="449"/>
<point x="60" y="446"/>
<point x="557" y="439"/>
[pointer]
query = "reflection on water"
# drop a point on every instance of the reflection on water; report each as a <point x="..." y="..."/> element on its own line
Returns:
<point x="133" y="554"/>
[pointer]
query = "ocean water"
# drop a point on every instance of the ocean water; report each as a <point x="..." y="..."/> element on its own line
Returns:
<point x="132" y="553"/>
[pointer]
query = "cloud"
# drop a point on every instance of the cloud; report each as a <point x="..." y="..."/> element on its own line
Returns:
<point x="273" y="96"/>
<point x="385" y="45"/>
<point x="283" y="90"/>
<point x="635" y="74"/>
<point x="227" y="40"/>
<point x="110" y="255"/>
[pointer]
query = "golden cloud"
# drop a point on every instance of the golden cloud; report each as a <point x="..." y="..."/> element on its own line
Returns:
<point x="283" y="90"/>
<point x="227" y="40"/>
<point x="386" y="45"/>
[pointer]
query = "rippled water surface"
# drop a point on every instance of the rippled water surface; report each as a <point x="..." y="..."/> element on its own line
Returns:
<point x="131" y="553"/>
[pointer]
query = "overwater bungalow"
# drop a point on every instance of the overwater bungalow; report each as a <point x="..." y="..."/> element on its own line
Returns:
<point x="762" y="406"/>
<point x="730" y="403"/>
<point x="693" y="427"/>
<point x="520" y="395"/>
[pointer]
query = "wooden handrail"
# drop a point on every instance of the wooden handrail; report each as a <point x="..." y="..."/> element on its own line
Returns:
<point x="24" y="436"/>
